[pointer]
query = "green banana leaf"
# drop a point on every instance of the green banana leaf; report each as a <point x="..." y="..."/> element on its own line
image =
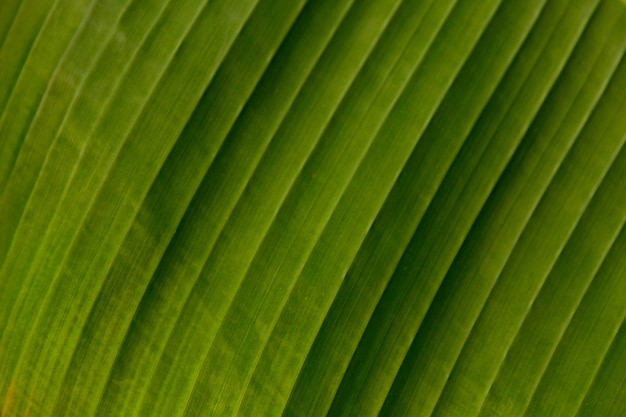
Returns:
<point x="312" y="207"/>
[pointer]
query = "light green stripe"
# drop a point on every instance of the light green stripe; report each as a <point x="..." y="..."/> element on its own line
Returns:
<point x="339" y="335"/>
<point x="8" y="12"/>
<point x="606" y="393"/>
<point x="164" y="206"/>
<point x="528" y="265"/>
<point x="103" y="108"/>
<point x="217" y="195"/>
<point x="597" y="319"/>
<point x="265" y="193"/>
<point x="458" y="302"/>
<point x="562" y="291"/>
<point x="18" y="43"/>
<point x="21" y="90"/>
<point x="208" y="40"/>
<point x="292" y="336"/>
